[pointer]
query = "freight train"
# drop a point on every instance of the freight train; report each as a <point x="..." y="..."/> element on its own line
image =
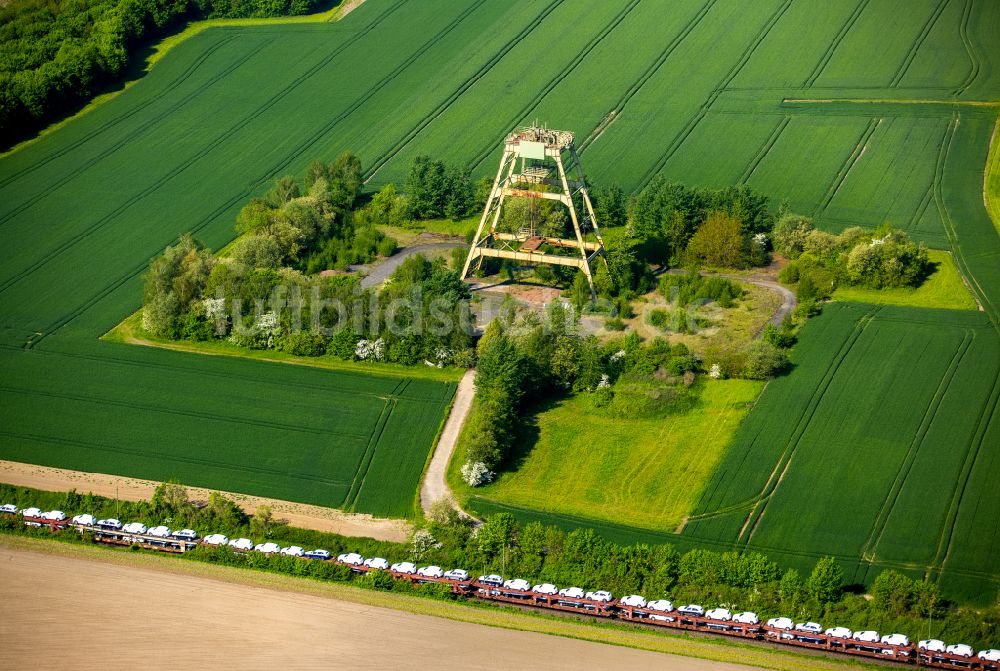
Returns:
<point x="600" y="604"/>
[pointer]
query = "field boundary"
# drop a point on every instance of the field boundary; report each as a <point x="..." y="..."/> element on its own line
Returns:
<point x="434" y="484"/>
<point x="991" y="199"/>
<point x="302" y="515"/>
<point x="124" y="334"/>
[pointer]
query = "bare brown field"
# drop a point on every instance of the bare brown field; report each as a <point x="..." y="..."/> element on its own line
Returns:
<point x="70" y="612"/>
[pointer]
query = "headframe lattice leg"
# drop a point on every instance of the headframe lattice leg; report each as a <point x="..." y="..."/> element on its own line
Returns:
<point x="545" y="149"/>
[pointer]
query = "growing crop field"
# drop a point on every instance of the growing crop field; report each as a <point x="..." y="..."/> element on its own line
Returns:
<point x="856" y="459"/>
<point x="351" y="441"/>
<point x="856" y="112"/>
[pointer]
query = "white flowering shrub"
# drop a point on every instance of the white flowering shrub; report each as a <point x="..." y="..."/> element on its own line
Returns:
<point x="760" y="239"/>
<point x="259" y="336"/>
<point x="215" y="308"/>
<point x="605" y="382"/>
<point x="715" y="372"/>
<point x="372" y="350"/>
<point x="422" y="543"/>
<point x="476" y="474"/>
<point x="617" y="356"/>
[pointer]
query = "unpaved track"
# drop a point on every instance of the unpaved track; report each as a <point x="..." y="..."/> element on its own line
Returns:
<point x="435" y="485"/>
<point x="788" y="300"/>
<point x="63" y="612"/>
<point x="300" y="515"/>
<point x="379" y="273"/>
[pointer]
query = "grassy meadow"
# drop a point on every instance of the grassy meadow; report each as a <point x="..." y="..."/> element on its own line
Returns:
<point x="647" y="473"/>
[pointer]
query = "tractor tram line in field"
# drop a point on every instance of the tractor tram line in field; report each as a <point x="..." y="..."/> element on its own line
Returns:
<point x="112" y="123"/>
<point x="870" y="548"/>
<point x="203" y="151"/>
<point x="986" y="417"/>
<point x="828" y="54"/>
<point x="917" y="43"/>
<point x="706" y="106"/>
<point x="647" y="74"/>
<point x="484" y="153"/>
<point x="785" y="460"/>
<point x="380" y="161"/>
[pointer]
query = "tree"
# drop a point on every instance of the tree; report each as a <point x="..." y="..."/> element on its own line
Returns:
<point x="763" y="360"/>
<point x="892" y="260"/>
<point x="826" y="581"/>
<point x="700" y="568"/>
<point x="791" y="590"/>
<point x="718" y="242"/>
<point x="257" y="251"/>
<point x="580" y="292"/>
<point x="610" y="206"/>
<point x="345" y="179"/>
<point x="806" y="289"/>
<point x="171" y="499"/>
<point x="782" y="338"/>
<point x="564" y="363"/>
<point x="222" y="513"/>
<point x="790" y="234"/>
<point x="160" y="314"/>
<point x="603" y="283"/>
<point x="284" y="190"/>
<point x="926" y="598"/>
<point x="426" y="187"/>
<point x="460" y="193"/>
<point x="497" y="536"/>
<point x="262" y="521"/>
<point x="892" y="592"/>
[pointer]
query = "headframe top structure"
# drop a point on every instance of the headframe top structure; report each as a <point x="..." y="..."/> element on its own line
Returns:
<point x="542" y="175"/>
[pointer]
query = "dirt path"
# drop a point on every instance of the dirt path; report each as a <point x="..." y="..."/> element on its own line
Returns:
<point x="378" y="274"/>
<point x="435" y="485"/>
<point x="300" y="515"/>
<point x="346" y="7"/>
<point x="788" y="300"/>
<point x="110" y="616"/>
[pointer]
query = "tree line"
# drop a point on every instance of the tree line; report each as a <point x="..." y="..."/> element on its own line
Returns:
<point x="740" y="580"/>
<point x="56" y="56"/>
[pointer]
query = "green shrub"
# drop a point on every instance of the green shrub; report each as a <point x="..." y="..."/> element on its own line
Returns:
<point x="615" y="324"/>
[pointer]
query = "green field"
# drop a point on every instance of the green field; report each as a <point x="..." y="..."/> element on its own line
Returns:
<point x="643" y="472"/>
<point x="885" y="455"/>
<point x="337" y="439"/>
<point x="855" y="112"/>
